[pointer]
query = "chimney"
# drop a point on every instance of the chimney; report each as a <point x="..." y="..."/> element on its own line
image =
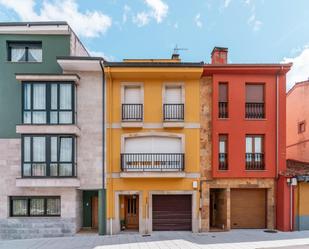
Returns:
<point x="175" y="56"/>
<point x="219" y="55"/>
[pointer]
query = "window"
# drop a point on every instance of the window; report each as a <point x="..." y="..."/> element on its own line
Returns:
<point x="173" y="107"/>
<point x="255" y="152"/>
<point x="223" y="100"/>
<point x="301" y="127"/>
<point x="132" y="109"/>
<point x="25" y="51"/>
<point x="51" y="103"/>
<point x="223" y="145"/>
<point x="51" y="156"/>
<point x="255" y="101"/>
<point x="35" y="206"/>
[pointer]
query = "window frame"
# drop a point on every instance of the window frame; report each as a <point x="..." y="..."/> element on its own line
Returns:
<point x="48" y="160"/>
<point x="26" y="45"/>
<point x="48" y="108"/>
<point x="226" y="84"/>
<point x="29" y="198"/>
<point x="299" y="126"/>
<point x="263" y="84"/>
<point x="253" y="143"/>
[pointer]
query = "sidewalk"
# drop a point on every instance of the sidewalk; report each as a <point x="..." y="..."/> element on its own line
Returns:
<point x="236" y="239"/>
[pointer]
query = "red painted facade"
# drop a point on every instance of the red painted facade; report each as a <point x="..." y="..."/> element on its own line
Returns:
<point x="237" y="126"/>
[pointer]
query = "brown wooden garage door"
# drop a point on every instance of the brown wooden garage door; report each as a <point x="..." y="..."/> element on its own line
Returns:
<point x="171" y="212"/>
<point x="248" y="208"/>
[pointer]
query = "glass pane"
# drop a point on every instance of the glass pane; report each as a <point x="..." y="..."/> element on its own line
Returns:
<point x="27" y="96"/>
<point x="27" y="117"/>
<point x="35" y="54"/>
<point x="248" y="144"/>
<point x="27" y="169"/>
<point x="53" y="117"/>
<point x="222" y="147"/>
<point x="36" y="207"/>
<point x="65" y="96"/>
<point x="38" y="169"/>
<point x="65" y="169"/>
<point x="18" y="54"/>
<point x="53" y="206"/>
<point x="53" y="149"/>
<point x="27" y="149"/>
<point x="39" y="117"/>
<point x="38" y="152"/>
<point x="54" y="97"/>
<point x="53" y="169"/>
<point x="65" y="149"/>
<point x="39" y="96"/>
<point x="65" y="117"/>
<point x="19" y="207"/>
<point x="258" y="144"/>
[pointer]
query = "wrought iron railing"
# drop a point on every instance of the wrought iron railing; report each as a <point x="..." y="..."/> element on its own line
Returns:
<point x="132" y="112"/>
<point x="255" y="110"/>
<point x="152" y="162"/>
<point x="223" y="161"/>
<point x="173" y="112"/>
<point x="223" y="110"/>
<point x="255" y="161"/>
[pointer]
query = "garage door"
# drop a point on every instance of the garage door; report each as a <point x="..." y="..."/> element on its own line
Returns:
<point x="171" y="212"/>
<point x="248" y="208"/>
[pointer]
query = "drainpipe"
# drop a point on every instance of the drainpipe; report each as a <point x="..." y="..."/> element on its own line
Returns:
<point x="103" y="229"/>
<point x="277" y="126"/>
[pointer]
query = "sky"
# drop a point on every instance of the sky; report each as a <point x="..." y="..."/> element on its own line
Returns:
<point x="255" y="31"/>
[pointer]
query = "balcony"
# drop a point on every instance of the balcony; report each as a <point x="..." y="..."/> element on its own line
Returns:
<point x="255" y="161"/>
<point x="132" y="115"/>
<point x="223" y="161"/>
<point x="163" y="163"/>
<point x="173" y="115"/>
<point x="255" y="110"/>
<point x="223" y="109"/>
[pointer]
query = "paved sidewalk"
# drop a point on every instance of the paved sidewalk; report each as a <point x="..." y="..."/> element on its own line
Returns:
<point x="236" y="239"/>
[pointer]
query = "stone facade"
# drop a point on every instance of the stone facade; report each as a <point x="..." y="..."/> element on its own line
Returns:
<point x="205" y="147"/>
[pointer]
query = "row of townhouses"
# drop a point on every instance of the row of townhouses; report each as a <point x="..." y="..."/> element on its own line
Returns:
<point x="142" y="144"/>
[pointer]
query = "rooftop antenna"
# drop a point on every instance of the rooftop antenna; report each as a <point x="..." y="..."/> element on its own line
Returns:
<point x="175" y="54"/>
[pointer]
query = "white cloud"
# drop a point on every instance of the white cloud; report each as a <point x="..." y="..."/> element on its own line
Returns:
<point x="227" y="3"/>
<point x="254" y="23"/>
<point x="126" y="11"/>
<point x="176" y="26"/>
<point x="103" y="55"/>
<point x="300" y="68"/>
<point x="87" y="23"/>
<point x="141" y="19"/>
<point x="157" y="10"/>
<point x="198" y="21"/>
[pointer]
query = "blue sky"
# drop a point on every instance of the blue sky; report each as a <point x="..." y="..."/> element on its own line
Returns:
<point x="261" y="31"/>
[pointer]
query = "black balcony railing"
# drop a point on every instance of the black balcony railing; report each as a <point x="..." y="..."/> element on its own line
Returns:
<point x="132" y="112"/>
<point x="152" y="162"/>
<point x="173" y="112"/>
<point x="255" y="110"/>
<point x="255" y="161"/>
<point x="223" y="161"/>
<point x="223" y="110"/>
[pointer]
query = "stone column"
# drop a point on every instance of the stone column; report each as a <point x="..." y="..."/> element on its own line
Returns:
<point x="228" y="209"/>
<point x="205" y="207"/>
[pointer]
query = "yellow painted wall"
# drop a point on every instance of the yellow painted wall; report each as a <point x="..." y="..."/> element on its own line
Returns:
<point x="153" y="81"/>
<point x="301" y="198"/>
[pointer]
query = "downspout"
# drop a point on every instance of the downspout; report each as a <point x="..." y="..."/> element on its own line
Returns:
<point x="103" y="231"/>
<point x="110" y="151"/>
<point x="277" y="126"/>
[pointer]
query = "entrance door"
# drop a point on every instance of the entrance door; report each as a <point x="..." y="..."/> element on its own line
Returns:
<point x="94" y="212"/>
<point x="131" y="211"/>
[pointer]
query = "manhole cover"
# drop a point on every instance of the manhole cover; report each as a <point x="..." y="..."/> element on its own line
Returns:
<point x="270" y="231"/>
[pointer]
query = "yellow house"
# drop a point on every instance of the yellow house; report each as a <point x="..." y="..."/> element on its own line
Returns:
<point x="153" y="137"/>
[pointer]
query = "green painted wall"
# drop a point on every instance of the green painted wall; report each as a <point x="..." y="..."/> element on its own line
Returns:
<point x="87" y="195"/>
<point x="10" y="88"/>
